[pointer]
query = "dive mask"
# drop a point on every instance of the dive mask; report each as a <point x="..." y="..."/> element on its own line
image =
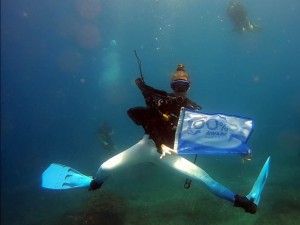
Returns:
<point x="180" y="85"/>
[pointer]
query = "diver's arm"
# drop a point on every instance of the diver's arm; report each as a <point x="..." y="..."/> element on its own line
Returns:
<point x="148" y="90"/>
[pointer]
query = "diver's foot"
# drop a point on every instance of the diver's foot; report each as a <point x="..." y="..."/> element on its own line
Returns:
<point x="94" y="185"/>
<point x="245" y="203"/>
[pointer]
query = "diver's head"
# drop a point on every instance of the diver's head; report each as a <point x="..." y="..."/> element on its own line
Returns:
<point x="180" y="82"/>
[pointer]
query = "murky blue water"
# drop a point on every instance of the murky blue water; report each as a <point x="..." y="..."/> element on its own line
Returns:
<point x="68" y="66"/>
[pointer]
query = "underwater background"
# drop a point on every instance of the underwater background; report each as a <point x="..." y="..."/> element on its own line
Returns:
<point x="69" y="66"/>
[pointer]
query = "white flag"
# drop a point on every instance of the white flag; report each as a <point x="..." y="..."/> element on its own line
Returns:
<point x="201" y="133"/>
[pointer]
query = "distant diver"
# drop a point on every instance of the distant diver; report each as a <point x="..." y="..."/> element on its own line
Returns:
<point x="238" y="15"/>
<point x="104" y="134"/>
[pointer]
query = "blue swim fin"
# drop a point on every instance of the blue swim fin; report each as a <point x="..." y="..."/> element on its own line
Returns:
<point x="258" y="186"/>
<point x="60" y="177"/>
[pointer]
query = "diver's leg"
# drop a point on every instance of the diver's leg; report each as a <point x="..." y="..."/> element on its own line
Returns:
<point x="136" y="154"/>
<point x="146" y="151"/>
<point x="189" y="169"/>
<point x="193" y="171"/>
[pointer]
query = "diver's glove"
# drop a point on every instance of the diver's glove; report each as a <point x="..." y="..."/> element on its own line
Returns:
<point x="245" y="203"/>
<point x="166" y="150"/>
<point x="94" y="185"/>
<point x="139" y="81"/>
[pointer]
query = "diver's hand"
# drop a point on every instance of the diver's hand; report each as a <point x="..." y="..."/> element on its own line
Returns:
<point x="166" y="150"/>
<point x="139" y="81"/>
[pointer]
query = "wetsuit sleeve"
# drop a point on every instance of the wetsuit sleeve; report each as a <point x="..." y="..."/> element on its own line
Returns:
<point x="148" y="91"/>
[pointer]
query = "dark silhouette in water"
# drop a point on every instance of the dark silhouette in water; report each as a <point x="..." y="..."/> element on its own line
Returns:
<point x="238" y="15"/>
<point x="104" y="134"/>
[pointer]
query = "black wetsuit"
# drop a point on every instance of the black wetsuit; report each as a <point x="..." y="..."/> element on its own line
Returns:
<point x="159" y="119"/>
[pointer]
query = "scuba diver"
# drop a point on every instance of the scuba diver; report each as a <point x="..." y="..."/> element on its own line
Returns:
<point x="238" y="15"/>
<point x="104" y="134"/>
<point x="159" y="119"/>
